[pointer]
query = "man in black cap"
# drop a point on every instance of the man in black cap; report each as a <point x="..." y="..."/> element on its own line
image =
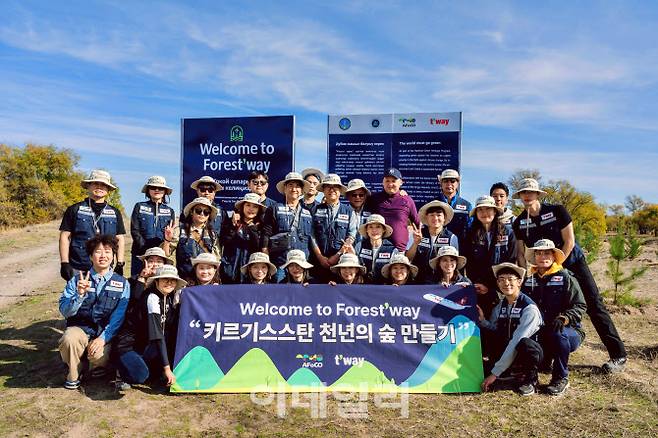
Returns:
<point x="398" y="210"/>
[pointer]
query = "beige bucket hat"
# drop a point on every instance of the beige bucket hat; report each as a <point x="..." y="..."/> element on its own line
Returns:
<point x="528" y="185"/>
<point x="206" y="258"/>
<point x="331" y="179"/>
<point x="348" y="261"/>
<point x="98" y="175"/>
<point x="486" y="201"/>
<point x="447" y="211"/>
<point x="449" y="174"/>
<point x="200" y="201"/>
<point x="259" y="257"/>
<point x="207" y="180"/>
<point x="167" y="271"/>
<point x="519" y="270"/>
<point x="449" y="251"/>
<point x="293" y="176"/>
<point x="156" y="251"/>
<point x="356" y="184"/>
<point x="399" y="259"/>
<point x="298" y="257"/>
<point x="157" y="181"/>
<point x="559" y="255"/>
<point x="375" y="219"/>
<point x="251" y="198"/>
<point x="313" y="171"/>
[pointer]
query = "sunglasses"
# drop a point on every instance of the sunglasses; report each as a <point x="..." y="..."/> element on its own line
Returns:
<point x="202" y="211"/>
<point x="258" y="182"/>
<point x="206" y="189"/>
<point x="157" y="189"/>
<point x="358" y="195"/>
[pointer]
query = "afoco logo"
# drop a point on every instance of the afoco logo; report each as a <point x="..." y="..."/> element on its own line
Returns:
<point x="311" y="361"/>
<point x="408" y="123"/>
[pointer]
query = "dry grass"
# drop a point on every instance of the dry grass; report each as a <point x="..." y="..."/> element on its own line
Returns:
<point x="33" y="403"/>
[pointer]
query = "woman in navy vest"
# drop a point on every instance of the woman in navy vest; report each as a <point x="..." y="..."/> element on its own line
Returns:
<point x="375" y="250"/>
<point x="195" y="236"/>
<point x="488" y="243"/>
<point x="149" y="219"/>
<point x="399" y="271"/>
<point x="241" y="237"/>
<point x="446" y="266"/>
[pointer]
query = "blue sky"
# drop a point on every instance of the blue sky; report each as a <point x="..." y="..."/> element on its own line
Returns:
<point x="570" y="89"/>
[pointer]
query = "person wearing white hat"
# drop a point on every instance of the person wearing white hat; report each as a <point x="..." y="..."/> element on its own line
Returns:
<point x="375" y="249"/>
<point x="450" y="182"/>
<point x="488" y="242"/>
<point x="562" y="306"/>
<point x="446" y="266"/>
<point x="259" y="269"/>
<point x="288" y="225"/>
<point x="193" y="236"/>
<point x="297" y="269"/>
<point x="207" y="187"/>
<point x="397" y="208"/>
<point x="149" y="219"/>
<point x="545" y="221"/>
<point x="508" y="336"/>
<point x="357" y="194"/>
<point x="348" y="270"/>
<point x="206" y="270"/>
<point x="313" y="177"/>
<point x="86" y="219"/>
<point x="333" y="228"/>
<point x="148" y="341"/>
<point x="434" y="216"/>
<point x="242" y="237"/>
<point x="399" y="271"/>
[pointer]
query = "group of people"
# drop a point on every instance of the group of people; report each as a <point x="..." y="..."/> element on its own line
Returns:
<point x="372" y="238"/>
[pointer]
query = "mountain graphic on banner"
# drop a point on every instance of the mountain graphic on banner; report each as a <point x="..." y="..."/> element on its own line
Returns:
<point x="439" y="352"/>
<point x="446" y="364"/>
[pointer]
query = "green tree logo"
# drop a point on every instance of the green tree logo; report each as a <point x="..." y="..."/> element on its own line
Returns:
<point x="237" y="133"/>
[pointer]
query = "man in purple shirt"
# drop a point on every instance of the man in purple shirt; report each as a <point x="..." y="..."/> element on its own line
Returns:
<point x="397" y="210"/>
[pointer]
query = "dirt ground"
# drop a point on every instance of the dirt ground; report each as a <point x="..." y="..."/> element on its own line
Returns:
<point x="33" y="402"/>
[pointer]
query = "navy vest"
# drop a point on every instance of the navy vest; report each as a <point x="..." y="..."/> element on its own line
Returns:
<point x="188" y="248"/>
<point x="461" y="219"/>
<point x="510" y="315"/>
<point x="97" y="306"/>
<point x="300" y="238"/>
<point x="551" y="292"/>
<point x="330" y="234"/>
<point x="87" y="225"/>
<point x="374" y="270"/>
<point x="427" y="250"/>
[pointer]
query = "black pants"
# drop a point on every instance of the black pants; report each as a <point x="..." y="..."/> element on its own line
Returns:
<point x="528" y="353"/>
<point x="596" y="310"/>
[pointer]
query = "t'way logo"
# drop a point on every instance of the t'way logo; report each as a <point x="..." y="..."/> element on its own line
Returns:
<point x="443" y="122"/>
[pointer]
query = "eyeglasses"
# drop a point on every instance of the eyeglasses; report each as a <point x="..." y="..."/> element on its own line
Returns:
<point x="505" y="280"/>
<point x="202" y="211"/>
<point x="206" y="189"/>
<point x="358" y="195"/>
<point x="258" y="182"/>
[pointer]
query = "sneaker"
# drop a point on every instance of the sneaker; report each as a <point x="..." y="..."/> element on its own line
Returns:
<point x="558" y="386"/>
<point x="121" y="386"/>
<point x="72" y="384"/>
<point x="614" y="365"/>
<point x="526" y="389"/>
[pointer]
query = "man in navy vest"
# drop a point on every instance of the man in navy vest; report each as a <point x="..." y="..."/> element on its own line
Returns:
<point x="450" y="182"/>
<point x="94" y="305"/>
<point x="509" y="333"/>
<point x="87" y="219"/>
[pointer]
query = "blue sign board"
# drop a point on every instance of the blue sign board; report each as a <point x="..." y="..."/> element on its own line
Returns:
<point x="229" y="148"/>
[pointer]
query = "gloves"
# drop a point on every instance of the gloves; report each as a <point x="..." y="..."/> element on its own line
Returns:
<point x="558" y="324"/>
<point x="119" y="268"/>
<point x="66" y="271"/>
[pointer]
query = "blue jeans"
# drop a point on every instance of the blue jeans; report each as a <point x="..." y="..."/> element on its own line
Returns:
<point x="558" y="346"/>
<point x="135" y="367"/>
